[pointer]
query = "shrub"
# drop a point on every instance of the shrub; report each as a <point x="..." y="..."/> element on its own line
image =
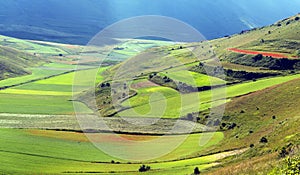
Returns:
<point x="283" y="152"/>
<point x="144" y="168"/>
<point x="190" y="117"/>
<point x="196" y="171"/>
<point x="263" y="140"/>
<point x="297" y="18"/>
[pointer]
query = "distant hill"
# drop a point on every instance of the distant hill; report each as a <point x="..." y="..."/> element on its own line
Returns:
<point x="14" y="63"/>
<point x="77" y="21"/>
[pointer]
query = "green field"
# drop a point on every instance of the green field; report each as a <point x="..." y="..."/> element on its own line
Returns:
<point x="193" y="78"/>
<point x="49" y="69"/>
<point x="53" y="154"/>
<point x="176" y="105"/>
<point x="46" y="96"/>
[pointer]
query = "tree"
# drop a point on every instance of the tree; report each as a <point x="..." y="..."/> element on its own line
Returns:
<point x="297" y="18"/>
<point x="196" y="171"/>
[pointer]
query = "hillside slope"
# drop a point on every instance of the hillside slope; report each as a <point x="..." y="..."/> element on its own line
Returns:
<point x="272" y="113"/>
<point x="14" y="63"/>
<point x="281" y="37"/>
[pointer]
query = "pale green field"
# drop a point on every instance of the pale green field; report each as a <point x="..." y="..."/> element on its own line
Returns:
<point x="30" y="47"/>
<point x="133" y="47"/>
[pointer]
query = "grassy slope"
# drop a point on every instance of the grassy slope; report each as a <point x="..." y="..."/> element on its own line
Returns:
<point x="281" y="39"/>
<point x="281" y="101"/>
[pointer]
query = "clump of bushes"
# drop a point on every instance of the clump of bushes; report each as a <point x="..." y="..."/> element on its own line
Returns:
<point x="144" y="168"/>
<point x="228" y="126"/>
